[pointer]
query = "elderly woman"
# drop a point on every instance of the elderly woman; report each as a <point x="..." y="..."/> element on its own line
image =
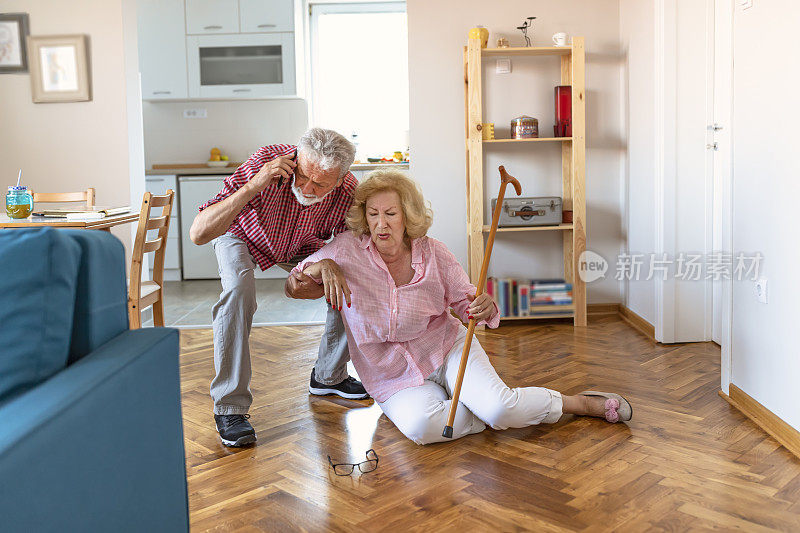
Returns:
<point x="395" y="287"/>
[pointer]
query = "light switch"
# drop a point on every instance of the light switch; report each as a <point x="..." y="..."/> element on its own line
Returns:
<point x="503" y="65"/>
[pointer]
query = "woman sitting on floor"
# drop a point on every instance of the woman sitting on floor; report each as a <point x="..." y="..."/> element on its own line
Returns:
<point x="395" y="287"/>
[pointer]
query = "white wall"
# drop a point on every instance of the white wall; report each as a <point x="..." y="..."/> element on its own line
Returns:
<point x="72" y="146"/>
<point x="636" y="23"/>
<point x="766" y="188"/>
<point x="437" y="34"/>
<point x="238" y="128"/>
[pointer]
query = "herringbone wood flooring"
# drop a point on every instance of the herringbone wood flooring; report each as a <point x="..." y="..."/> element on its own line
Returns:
<point x="687" y="460"/>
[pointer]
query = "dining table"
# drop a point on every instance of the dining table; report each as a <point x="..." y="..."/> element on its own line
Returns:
<point x="32" y="221"/>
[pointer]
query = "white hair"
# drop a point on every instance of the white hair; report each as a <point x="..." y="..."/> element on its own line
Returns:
<point x="327" y="149"/>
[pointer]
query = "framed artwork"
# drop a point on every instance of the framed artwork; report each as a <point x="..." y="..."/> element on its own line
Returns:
<point x="59" y="68"/>
<point x="13" y="32"/>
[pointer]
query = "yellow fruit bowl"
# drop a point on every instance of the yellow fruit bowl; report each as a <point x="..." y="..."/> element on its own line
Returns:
<point x="217" y="163"/>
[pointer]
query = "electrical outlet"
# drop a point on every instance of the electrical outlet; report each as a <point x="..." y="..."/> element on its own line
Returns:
<point x="761" y="290"/>
<point x="195" y="113"/>
<point x="746" y="4"/>
<point x="503" y="66"/>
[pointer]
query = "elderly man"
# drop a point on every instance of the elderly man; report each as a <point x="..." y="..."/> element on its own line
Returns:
<point x="279" y="207"/>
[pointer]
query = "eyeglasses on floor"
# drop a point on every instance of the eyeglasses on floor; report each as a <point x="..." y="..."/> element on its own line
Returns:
<point x="345" y="469"/>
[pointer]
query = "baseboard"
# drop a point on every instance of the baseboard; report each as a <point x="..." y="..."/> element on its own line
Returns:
<point x="629" y="316"/>
<point x="782" y="432"/>
<point x="638" y="322"/>
<point x="602" y="309"/>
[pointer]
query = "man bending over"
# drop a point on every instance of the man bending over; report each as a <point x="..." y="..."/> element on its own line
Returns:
<point x="279" y="207"/>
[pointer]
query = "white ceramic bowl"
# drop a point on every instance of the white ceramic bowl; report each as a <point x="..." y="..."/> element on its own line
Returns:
<point x="217" y="163"/>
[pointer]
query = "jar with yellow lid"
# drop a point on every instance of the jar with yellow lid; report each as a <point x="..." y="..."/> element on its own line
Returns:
<point x="19" y="202"/>
<point x="479" y="32"/>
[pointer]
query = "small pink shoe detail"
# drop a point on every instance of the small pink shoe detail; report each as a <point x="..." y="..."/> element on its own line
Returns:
<point x="611" y="406"/>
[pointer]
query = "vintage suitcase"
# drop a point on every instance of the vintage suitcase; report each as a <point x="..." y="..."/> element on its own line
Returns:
<point x="539" y="211"/>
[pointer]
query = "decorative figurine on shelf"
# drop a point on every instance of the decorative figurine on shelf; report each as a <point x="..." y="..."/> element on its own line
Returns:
<point x="525" y="25"/>
<point x="502" y="42"/>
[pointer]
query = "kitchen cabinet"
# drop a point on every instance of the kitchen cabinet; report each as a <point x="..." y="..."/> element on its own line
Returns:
<point x="257" y="16"/>
<point x="162" y="49"/>
<point x="212" y="16"/>
<point x="241" y="66"/>
<point x="181" y="58"/>
<point x="158" y="185"/>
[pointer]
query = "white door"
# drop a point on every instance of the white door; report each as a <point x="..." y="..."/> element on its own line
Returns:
<point x="212" y="16"/>
<point x="686" y="185"/>
<point x="258" y="16"/>
<point x="162" y="49"/>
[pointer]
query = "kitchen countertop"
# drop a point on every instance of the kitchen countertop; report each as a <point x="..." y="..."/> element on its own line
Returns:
<point x="212" y="171"/>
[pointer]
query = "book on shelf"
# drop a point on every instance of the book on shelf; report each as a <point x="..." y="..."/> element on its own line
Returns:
<point x="514" y="298"/>
<point x="523" y="289"/>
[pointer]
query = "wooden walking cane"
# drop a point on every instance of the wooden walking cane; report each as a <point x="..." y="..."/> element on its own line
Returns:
<point x="505" y="179"/>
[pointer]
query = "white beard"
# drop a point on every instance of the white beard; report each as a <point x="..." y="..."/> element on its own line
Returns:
<point x="304" y="200"/>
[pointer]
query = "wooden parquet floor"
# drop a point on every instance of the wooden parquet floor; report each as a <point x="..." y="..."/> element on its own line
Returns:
<point x="687" y="461"/>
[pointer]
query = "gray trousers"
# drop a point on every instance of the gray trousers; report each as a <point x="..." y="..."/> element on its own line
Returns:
<point x="232" y="320"/>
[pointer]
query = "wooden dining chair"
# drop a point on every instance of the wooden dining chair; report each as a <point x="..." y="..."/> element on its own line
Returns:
<point x="83" y="196"/>
<point x="142" y="294"/>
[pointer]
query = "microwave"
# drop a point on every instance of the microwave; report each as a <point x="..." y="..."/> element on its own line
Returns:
<point x="241" y="66"/>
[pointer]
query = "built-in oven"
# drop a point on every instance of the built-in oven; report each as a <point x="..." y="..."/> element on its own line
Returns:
<point x="243" y="66"/>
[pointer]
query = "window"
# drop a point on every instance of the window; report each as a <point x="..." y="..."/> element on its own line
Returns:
<point x="359" y="74"/>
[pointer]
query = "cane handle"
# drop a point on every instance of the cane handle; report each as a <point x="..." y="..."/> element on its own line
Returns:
<point x="505" y="177"/>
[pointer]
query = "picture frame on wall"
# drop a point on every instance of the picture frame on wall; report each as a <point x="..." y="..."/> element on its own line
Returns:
<point x="59" y="68"/>
<point x="13" y="34"/>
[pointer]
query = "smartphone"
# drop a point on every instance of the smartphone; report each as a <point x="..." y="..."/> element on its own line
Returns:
<point x="294" y="158"/>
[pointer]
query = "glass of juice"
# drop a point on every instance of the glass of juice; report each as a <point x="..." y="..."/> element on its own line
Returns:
<point x="19" y="202"/>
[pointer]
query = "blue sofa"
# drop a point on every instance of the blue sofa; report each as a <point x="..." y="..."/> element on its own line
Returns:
<point x="91" y="436"/>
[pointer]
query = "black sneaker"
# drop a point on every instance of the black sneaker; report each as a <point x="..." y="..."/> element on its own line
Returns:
<point x="235" y="430"/>
<point x="351" y="388"/>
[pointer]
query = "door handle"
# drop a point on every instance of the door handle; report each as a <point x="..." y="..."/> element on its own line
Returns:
<point x="214" y="27"/>
<point x="715" y="127"/>
<point x="713" y="146"/>
<point x="241" y="90"/>
<point x="266" y="26"/>
<point x="162" y="92"/>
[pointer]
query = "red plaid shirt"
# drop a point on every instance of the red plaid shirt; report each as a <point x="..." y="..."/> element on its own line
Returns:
<point x="274" y="225"/>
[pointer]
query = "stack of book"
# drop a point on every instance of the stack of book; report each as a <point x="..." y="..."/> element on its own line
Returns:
<point x="526" y="297"/>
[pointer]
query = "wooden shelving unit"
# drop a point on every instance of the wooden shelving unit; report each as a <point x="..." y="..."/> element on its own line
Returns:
<point x="573" y="162"/>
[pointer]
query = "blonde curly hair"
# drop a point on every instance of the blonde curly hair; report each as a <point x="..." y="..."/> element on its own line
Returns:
<point x="417" y="215"/>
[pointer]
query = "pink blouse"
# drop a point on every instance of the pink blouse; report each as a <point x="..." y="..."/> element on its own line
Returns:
<point x="398" y="336"/>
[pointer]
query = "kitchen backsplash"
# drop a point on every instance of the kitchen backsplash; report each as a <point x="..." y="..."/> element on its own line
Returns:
<point x="238" y="128"/>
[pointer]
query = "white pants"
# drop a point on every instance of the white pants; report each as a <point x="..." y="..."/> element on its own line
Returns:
<point x="421" y="412"/>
